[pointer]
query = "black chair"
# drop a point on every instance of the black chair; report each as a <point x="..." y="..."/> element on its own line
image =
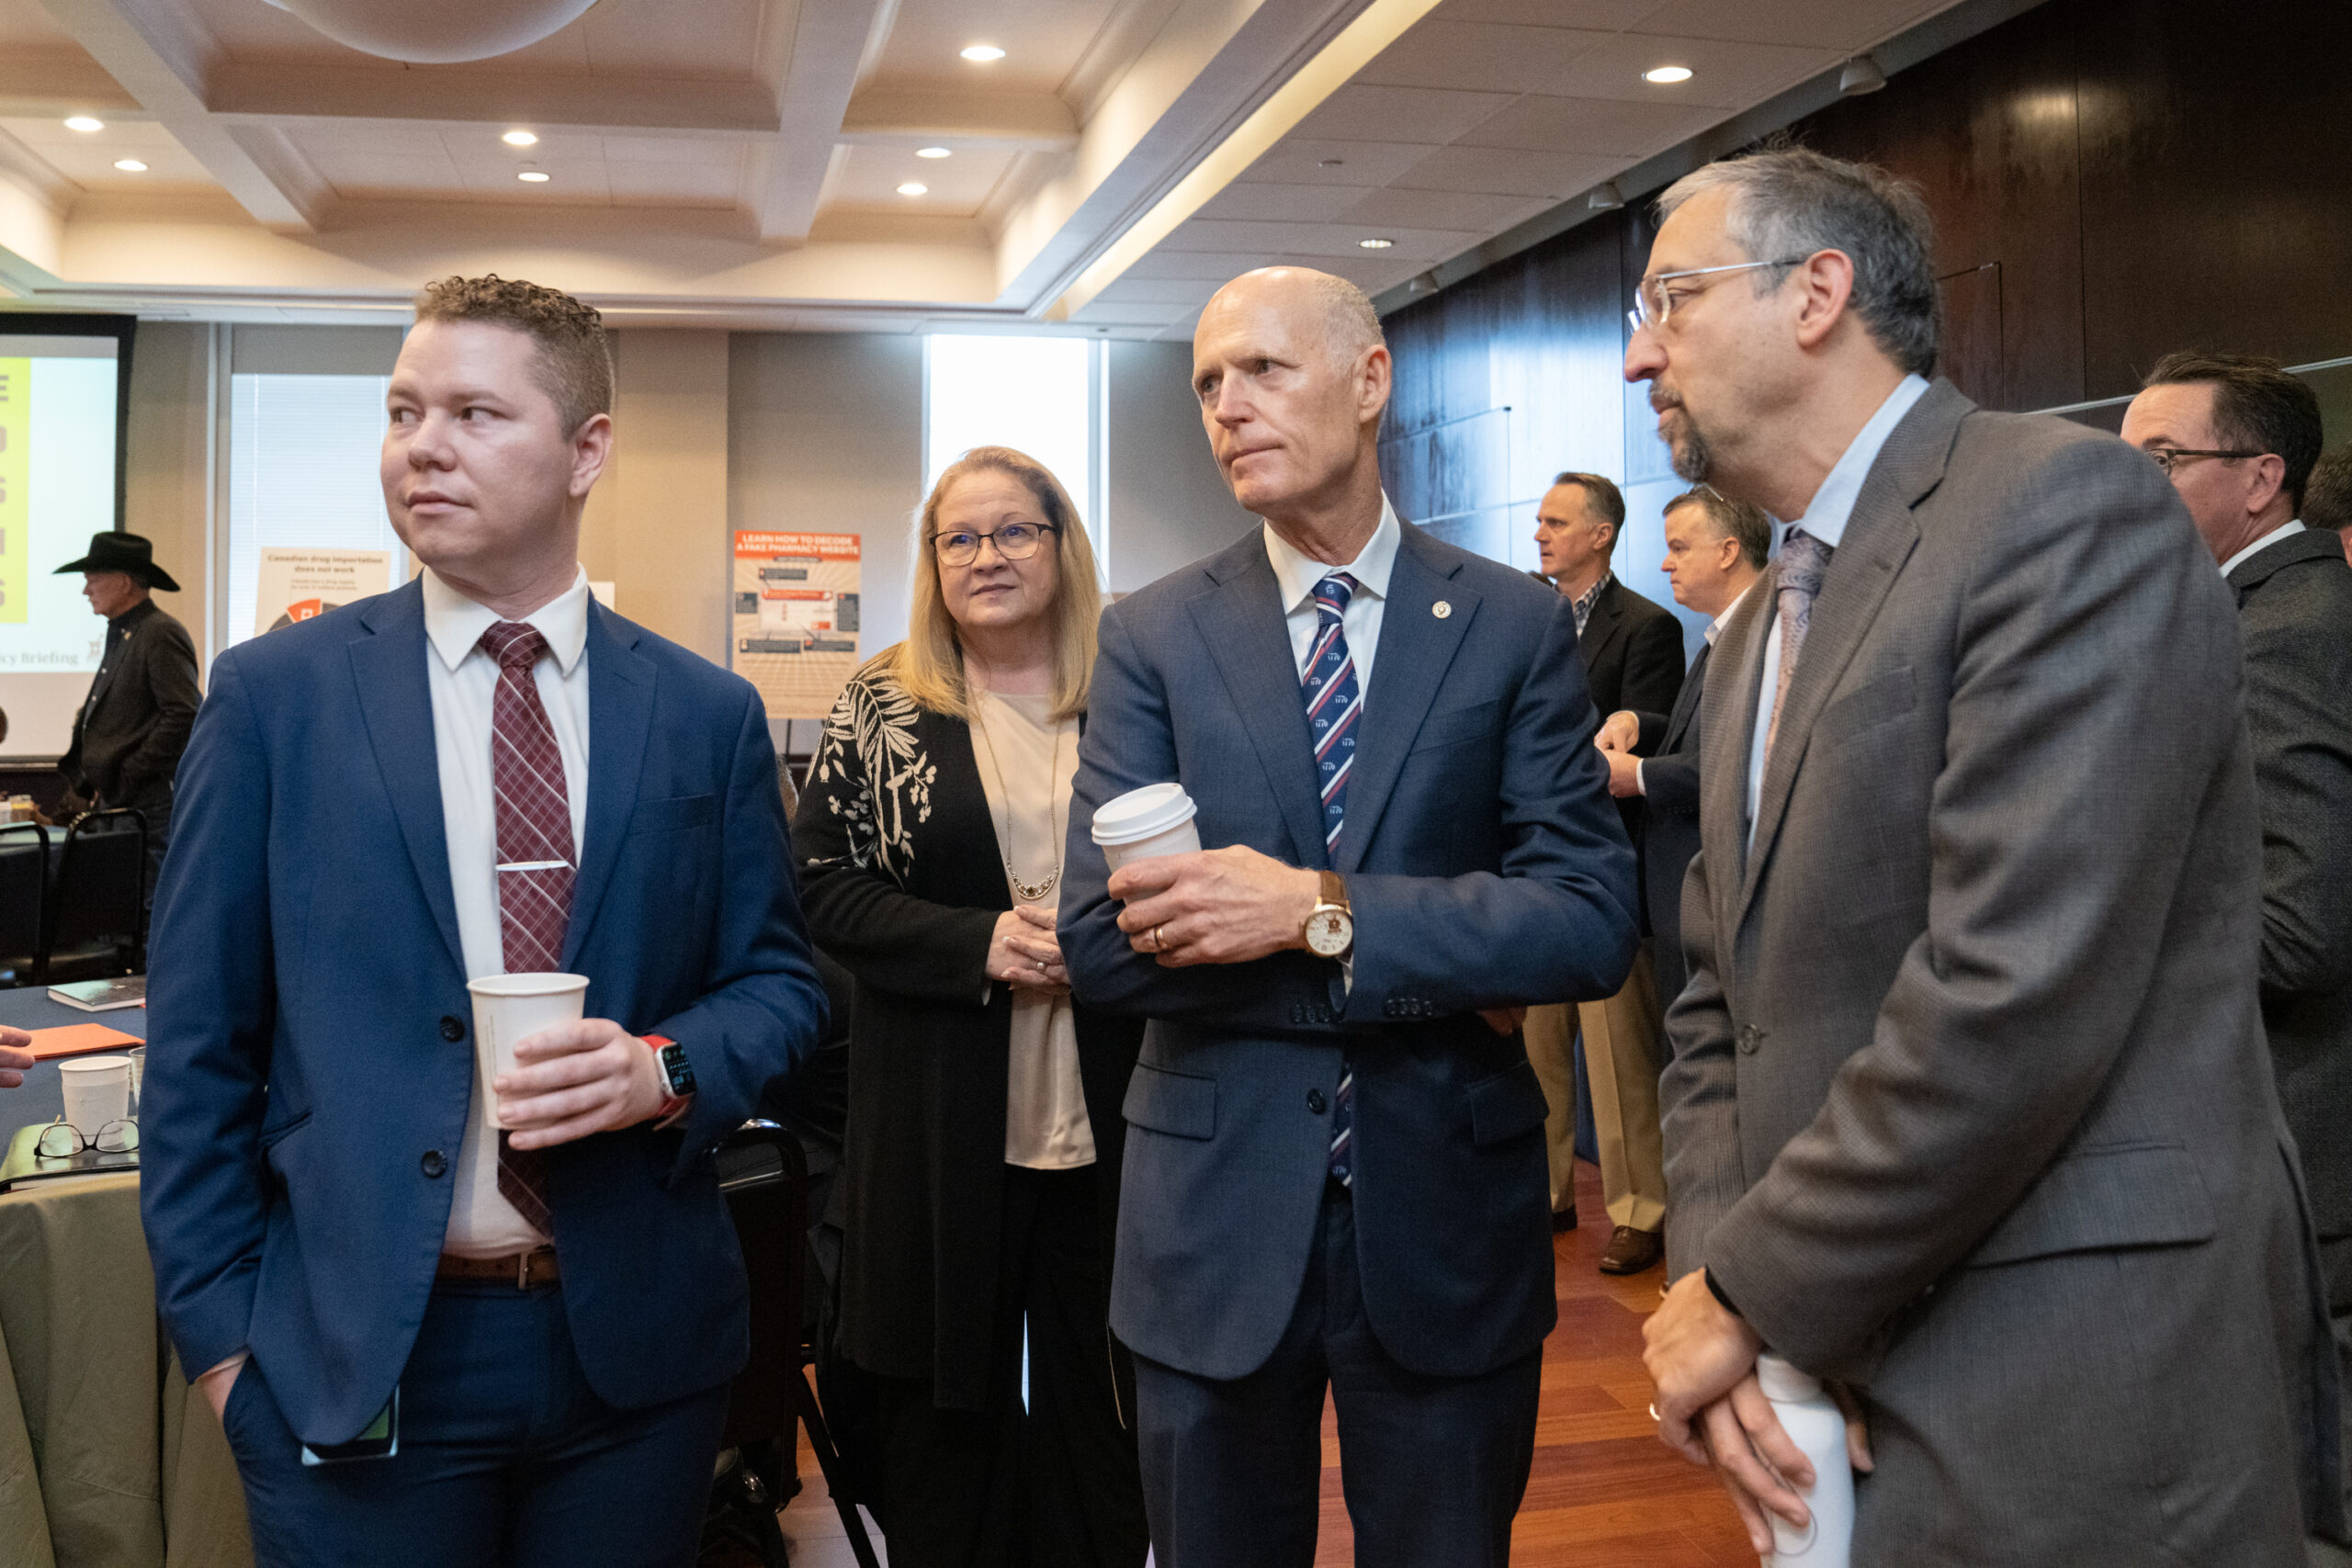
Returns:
<point x="97" y="916"/>
<point x="24" y="902"/>
<point x="764" y="1175"/>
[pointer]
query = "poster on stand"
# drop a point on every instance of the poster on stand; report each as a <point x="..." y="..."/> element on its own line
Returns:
<point x="795" y="622"/>
<point x="295" y="585"/>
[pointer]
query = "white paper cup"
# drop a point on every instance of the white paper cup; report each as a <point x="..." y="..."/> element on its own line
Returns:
<point x="98" y="1090"/>
<point x="1154" y="821"/>
<point x="509" y="1008"/>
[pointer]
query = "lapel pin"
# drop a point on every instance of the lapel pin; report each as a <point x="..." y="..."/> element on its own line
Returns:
<point x="1440" y="609"/>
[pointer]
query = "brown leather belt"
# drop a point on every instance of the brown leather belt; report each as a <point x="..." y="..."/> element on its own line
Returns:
<point x="520" y="1270"/>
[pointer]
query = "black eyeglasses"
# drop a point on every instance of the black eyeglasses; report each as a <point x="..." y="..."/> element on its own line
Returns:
<point x="61" y="1140"/>
<point x="2169" y="457"/>
<point x="1014" y="541"/>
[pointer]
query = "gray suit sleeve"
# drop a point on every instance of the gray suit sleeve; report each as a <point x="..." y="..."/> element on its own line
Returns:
<point x="2298" y="665"/>
<point x="2092" y="707"/>
<point x="1699" y="1090"/>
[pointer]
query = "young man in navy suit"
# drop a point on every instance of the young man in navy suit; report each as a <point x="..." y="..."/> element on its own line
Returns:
<point x="445" y="1316"/>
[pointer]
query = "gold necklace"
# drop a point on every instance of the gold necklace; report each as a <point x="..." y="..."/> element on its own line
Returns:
<point x="1021" y="891"/>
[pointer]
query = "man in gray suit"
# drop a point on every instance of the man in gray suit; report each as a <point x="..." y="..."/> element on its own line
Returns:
<point x="2239" y="437"/>
<point x="1969" y="1107"/>
<point x="1335" y="1170"/>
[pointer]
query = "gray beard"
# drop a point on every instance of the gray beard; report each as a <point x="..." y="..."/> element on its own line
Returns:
<point x="1692" y="456"/>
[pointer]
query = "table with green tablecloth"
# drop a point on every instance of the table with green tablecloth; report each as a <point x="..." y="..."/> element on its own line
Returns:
<point x="106" y="1458"/>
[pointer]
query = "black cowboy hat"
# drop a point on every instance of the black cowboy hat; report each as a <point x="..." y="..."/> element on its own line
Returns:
<point x="128" y="553"/>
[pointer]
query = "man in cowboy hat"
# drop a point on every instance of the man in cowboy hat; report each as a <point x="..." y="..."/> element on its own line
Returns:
<point x="133" y="725"/>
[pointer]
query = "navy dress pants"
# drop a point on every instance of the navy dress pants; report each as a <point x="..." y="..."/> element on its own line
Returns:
<point x="1432" y="1467"/>
<point x="506" y="1457"/>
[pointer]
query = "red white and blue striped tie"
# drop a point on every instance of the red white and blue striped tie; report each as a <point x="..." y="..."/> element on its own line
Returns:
<point x="1334" y="707"/>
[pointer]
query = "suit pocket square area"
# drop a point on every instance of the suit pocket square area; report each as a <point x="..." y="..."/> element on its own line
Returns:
<point x="1868" y="705"/>
<point x="2116" y="1195"/>
<point x="670" y="813"/>
<point x="1504" y="1106"/>
<point x="1179" y="1104"/>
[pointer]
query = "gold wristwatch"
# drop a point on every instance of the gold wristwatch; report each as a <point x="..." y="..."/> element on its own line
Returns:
<point x="1330" y="928"/>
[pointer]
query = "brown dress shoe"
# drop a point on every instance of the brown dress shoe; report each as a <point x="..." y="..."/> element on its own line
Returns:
<point x="1631" y="1251"/>
<point x="1564" y="1218"/>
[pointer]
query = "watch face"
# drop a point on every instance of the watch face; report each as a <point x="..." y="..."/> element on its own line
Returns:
<point x="1329" y="932"/>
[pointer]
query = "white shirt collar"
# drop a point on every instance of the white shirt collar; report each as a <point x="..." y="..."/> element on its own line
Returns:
<point x="1297" y="574"/>
<point x="1715" y="626"/>
<point x="455" y="623"/>
<point x="1832" y="503"/>
<point x="2284" y="531"/>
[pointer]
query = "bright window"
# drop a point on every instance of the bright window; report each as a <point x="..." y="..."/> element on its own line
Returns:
<point x="303" y="466"/>
<point x="1043" y="396"/>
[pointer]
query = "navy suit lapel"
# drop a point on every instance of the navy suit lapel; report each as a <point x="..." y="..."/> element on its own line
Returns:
<point x="1416" y="646"/>
<point x="1243" y="626"/>
<point x="620" y="724"/>
<point x="396" y="705"/>
<point x="1686" y="704"/>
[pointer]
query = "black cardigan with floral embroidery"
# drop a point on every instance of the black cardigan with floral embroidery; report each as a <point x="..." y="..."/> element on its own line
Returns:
<point x="901" y="882"/>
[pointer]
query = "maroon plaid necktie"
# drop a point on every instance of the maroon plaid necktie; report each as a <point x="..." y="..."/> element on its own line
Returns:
<point x="535" y="860"/>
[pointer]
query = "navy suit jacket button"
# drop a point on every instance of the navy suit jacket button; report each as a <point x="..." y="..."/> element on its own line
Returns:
<point x="453" y="1028"/>
<point x="1315" y="1100"/>
<point x="433" y="1164"/>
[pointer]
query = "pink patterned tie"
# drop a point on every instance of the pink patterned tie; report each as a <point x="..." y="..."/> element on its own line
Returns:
<point x="535" y="867"/>
<point x="1805" y="561"/>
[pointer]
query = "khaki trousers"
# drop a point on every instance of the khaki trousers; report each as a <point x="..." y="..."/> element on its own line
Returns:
<point x="1622" y="1050"/>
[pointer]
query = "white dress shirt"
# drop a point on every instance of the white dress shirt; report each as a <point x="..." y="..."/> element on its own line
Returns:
<point x="2284" y="531"/>
<point x="1825" y="519"/>
<point x="463" y="681"/>
<point x="1297" y="574"/>
<point x="1714" y="630"/>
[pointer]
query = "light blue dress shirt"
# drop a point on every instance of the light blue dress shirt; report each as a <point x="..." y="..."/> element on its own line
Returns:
<point x="1832" y="503"/>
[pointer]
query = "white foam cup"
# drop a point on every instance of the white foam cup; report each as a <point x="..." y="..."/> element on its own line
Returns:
<point x="1154" y="821"/>
<point x="509" y="1008"/>
<point x="98" y="1090"/>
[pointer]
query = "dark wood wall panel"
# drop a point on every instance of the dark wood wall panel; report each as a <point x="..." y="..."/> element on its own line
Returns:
<point x="2111" y="180"/>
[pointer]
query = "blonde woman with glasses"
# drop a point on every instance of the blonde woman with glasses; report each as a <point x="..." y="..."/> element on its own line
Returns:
<point x="982" y="1153"/>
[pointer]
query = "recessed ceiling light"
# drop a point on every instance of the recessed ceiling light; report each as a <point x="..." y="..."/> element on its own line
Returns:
<point x="1667" y="75"/>
<point x="521" y="138"/>
<point x="130" y="165"/>
<point x="983" y="52"/>
<point x="1375" y="244"/>
<point x="934" y="152"/>
<point x="83" y="122"/>
<point x="914" y="188"/>
<point x="533" y="176"/>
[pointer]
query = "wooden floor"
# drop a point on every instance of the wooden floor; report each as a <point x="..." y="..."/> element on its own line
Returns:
<point x="1604" y="1493"/>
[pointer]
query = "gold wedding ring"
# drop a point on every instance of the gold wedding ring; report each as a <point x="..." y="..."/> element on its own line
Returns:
<point x="1159" y="939"/>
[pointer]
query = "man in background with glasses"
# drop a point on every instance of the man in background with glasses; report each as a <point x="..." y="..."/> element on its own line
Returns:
<point x="2239" y="437"/>
<point x="1970" y="1111"/>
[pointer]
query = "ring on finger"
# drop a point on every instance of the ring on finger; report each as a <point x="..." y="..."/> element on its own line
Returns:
<point x="1160" y="939"/>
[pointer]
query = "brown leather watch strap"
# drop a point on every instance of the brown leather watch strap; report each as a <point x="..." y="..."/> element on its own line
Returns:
<point x="1334" y="889"/>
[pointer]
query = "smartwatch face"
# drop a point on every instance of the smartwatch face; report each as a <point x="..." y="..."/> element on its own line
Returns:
<point x="1329" y="932"/>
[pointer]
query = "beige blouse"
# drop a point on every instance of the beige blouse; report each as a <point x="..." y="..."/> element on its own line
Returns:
<point x="1020" y="749"/>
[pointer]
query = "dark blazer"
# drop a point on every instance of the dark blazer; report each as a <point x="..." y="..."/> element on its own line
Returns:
<point x="1970" y="1103"/>
<point x="1486" y="870"/>
<point x="1631" y="649"/>
<point x="133" y="725"/>
<point x="1668" y="748"/>
<point x="903" y="882"/>
<point x="310" y="1054"/>
<point x="2295" y="611"/>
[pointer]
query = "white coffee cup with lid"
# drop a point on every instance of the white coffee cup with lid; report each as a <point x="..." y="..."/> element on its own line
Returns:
<point x="1154" y="821"/>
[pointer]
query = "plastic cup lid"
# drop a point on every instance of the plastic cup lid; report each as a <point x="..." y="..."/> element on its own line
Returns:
<point x="1143" y="814"/>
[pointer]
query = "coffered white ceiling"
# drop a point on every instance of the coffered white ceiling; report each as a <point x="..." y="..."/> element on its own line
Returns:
<point x="744" y="162"/>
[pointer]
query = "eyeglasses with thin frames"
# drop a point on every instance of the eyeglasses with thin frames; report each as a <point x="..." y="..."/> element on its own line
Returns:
<point x="1653" y="301"/>
<point x="1014" y="541"/>
<point x="2169" y="457"/>
<point x="61" y="1140"/>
